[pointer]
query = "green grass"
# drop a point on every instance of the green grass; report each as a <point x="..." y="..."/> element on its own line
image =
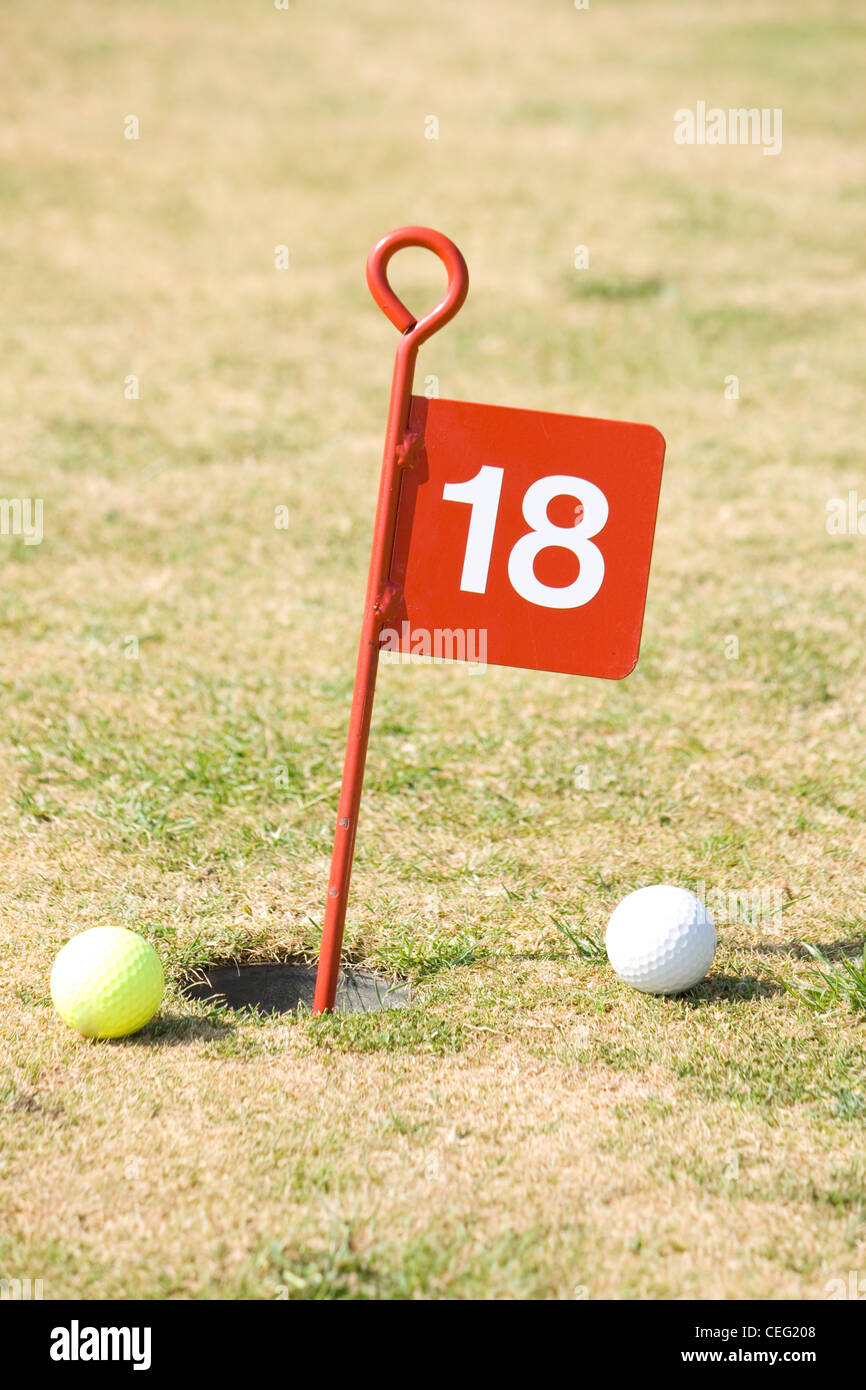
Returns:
<point x="831" y="985"/>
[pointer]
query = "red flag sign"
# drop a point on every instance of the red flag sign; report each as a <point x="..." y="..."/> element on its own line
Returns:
<point x="522" y="538"/>
<point x="501" y="535"/>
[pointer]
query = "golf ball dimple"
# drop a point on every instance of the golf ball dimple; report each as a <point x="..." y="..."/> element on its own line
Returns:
<point x="661" y="939"/>
<point x="107" y="982"/>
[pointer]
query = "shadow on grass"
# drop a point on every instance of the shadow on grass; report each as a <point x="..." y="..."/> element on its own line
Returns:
<point x="175" y="1030"/>
<point x="733" y="988"/>
<point x="834" y="950"/>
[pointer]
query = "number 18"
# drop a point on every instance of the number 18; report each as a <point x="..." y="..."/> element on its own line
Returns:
<point x="482" y="494"/>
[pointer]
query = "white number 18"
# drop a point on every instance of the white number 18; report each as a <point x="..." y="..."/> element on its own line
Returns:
<point x="482" y="494"/>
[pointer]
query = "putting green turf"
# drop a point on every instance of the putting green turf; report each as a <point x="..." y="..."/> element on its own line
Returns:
<point x="177" y="667"/>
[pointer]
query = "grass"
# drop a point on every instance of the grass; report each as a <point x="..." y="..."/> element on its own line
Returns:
<point x="833" y="985"/>
<point x="178" y="668"/>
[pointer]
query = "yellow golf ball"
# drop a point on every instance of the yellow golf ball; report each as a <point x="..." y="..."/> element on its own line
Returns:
<point x="107" y="982"/>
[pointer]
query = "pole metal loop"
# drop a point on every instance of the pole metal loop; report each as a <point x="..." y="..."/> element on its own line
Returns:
<point x="390" y="303"/>
<point x="380" y="595"/>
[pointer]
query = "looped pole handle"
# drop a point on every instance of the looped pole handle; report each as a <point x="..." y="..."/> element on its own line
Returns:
<point x="392" y="306"/>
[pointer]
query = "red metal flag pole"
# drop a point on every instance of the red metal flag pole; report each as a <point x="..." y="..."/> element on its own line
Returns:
<point x="382" y="596"/>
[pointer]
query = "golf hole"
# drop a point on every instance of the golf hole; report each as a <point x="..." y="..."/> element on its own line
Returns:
<point x="280" y="988"/>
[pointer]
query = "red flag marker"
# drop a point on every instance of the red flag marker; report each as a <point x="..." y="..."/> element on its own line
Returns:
<point x="514" y="537"/>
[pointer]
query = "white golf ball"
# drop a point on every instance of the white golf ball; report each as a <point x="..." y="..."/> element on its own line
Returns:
<point x="661" y="939"/>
